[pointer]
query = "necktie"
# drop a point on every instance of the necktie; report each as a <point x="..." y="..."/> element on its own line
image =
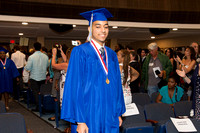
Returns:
<point x="102" y="52"/>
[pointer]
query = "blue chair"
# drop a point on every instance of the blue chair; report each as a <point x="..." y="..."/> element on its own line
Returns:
<point x="158" y="114"/>
<point x="2" y="107"/>
<point x="136" y="123"/>
<point x="170" y="128"/>
<point x="27" y="94"/>
<point x="141" y="98"/>
<point x="182" y="108"/>
<point x="154" y="97"/>
<point x="12" y="123"/>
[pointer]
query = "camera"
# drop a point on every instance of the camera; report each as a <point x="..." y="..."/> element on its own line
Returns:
<point x="75" y="43"/>
<point x="56" y="45"/>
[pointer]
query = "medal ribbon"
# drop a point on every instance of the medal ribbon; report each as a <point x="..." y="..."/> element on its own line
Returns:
<point x="105" y="67"/>
<point x="3" y="63"/>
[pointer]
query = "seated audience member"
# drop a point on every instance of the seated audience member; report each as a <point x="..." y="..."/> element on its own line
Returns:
<point x="170" y="93"/>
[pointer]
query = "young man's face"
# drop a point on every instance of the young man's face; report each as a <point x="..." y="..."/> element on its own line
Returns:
<point x="100" y="31"/>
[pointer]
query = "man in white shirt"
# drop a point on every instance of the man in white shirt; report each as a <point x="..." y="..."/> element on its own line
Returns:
<point x="18" y="58"/>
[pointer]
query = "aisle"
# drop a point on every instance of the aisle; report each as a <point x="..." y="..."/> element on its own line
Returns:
<point x="32" y="120"/>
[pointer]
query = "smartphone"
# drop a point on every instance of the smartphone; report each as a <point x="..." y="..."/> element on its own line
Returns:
<point x="157" y="72"/>
<point x="74" y="43"/>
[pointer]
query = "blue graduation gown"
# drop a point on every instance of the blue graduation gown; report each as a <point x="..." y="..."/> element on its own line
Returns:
<point x="7" y="75"/>
<point x="87" y="98"/>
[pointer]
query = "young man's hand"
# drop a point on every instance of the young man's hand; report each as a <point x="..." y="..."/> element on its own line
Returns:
<point x="120" y="121"/>
<point x="82" y="128"/>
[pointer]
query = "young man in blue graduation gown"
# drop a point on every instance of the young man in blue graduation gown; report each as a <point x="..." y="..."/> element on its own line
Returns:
<point x="93" y="98"/>
<point x="8" y="71"/>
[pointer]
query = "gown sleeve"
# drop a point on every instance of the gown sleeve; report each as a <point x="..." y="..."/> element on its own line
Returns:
<point x="15" y="72"/>
<point x="72" y="109"/>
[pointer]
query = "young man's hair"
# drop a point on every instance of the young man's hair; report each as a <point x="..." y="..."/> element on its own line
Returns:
<point x="37" y="46"/>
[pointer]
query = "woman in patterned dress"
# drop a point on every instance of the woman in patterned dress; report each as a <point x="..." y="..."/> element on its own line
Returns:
<point x="195" y="82"/>
<point x="126" y="74"/>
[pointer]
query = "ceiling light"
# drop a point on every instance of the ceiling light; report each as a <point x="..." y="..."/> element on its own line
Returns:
<point x="74" y="25"/>
<point x="114" y="27"/>
<point x="174" y="29"/>
<point x="25" y="23"/>
<point x="21" y="34"/>
<point x="153" y="37"/>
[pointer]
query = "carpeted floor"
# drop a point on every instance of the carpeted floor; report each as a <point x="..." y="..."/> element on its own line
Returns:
<point x="32" y="121"/>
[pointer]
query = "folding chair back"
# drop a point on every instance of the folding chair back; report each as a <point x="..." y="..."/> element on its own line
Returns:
<point x="158" y="111"/>
<point x="159" y="114"/>
<point x="136" y="123"/>
<point x="170" y="128"/>
<point x="182" y="108"/>
<point x="141" y="99"/>
<point x="12" y="123"/>
<point x="154" y="97"/>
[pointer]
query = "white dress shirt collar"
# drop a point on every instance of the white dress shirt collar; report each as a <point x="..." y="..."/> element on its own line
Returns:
<point x="98" y="45"/>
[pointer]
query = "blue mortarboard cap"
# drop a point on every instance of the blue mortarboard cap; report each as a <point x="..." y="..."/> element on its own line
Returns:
<point x="3" y="49"/>
<point x="98" y="15"/>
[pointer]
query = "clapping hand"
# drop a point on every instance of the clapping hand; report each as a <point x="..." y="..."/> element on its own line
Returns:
<point x="177" y="59"/>
<point x="181" y="73"/>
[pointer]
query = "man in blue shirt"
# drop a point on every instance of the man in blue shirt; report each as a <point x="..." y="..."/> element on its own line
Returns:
<point x="37" y="66"/>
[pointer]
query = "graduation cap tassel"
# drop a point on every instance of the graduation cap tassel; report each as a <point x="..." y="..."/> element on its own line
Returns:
<point x="90" y="32"/>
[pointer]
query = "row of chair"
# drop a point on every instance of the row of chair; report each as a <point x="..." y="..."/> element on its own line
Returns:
<point x="144" y="99"/>
<point x="153" y="117"/>
<point x="47" y="103"/>
<point x="11" y="122"/>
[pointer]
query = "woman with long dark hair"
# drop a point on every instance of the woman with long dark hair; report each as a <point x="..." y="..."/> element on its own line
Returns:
<point x="169" y="52"/>
<point x="126" y="74"/>
<point x="187" y="64"/>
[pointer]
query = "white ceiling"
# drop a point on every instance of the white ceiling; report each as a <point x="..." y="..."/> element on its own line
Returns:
<point x="122" y="34"/>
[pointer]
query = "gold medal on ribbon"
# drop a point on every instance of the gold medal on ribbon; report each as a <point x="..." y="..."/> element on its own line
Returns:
<point x="107" y="81"/>
<point x="4" y="67"/>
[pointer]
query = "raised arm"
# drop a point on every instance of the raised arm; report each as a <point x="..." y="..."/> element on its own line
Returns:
<point x="183" y="75"/>
<point x="60" y="66"/>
